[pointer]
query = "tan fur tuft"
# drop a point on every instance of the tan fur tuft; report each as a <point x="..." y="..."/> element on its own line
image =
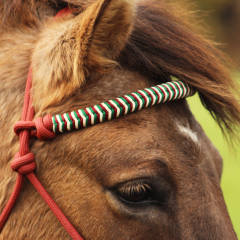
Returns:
<point x="71" y="48"/>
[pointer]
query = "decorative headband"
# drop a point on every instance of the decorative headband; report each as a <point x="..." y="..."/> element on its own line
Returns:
<point x="121" y="106"/>
<point x="48" y="127"/>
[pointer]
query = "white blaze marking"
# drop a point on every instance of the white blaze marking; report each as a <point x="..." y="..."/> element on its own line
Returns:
<point x="188" y="133"/>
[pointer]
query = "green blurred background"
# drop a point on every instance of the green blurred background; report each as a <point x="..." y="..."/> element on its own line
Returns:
<point x="221" y="21"/>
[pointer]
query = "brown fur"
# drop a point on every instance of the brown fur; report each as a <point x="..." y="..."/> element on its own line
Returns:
<point x="150" y="49"/>
<point x="83" y="44"/>
<point x="104" y="50"/>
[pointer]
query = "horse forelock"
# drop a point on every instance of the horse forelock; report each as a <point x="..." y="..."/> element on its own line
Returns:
<point x="162" y="43"/>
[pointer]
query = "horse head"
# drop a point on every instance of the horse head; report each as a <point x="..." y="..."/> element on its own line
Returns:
<point x="152" y="174"/>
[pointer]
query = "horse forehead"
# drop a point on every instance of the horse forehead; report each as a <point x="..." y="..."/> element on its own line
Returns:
<point x="167" y="132"/>
<point x="132" y="138"/>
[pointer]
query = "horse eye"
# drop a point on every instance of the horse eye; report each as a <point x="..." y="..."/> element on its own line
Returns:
<point x="135" y="193"/>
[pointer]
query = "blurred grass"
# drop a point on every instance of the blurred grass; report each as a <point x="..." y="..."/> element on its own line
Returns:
<point x="231" y="160"/>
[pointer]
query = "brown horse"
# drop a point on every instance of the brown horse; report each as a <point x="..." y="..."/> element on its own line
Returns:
<point x="153" y="174"/>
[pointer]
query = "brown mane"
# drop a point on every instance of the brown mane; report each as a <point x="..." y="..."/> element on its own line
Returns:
<point x="161" y="43"/>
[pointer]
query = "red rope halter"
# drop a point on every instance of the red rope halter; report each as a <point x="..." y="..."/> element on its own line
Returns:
<point x="24" y="160"/>
<point x="45" y="128"/>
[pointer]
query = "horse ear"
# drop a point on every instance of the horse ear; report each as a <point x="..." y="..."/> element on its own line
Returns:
<point x="107" y="24"/>
<point x="101" y="32"/>
<point x="73" y="47"/>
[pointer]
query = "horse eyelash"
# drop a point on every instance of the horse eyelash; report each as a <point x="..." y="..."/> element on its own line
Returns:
<point x="136" y="188"/>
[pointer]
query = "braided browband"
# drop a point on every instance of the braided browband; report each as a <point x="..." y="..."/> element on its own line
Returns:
<point x="121" y="106"/>
<point x="47" y="127"/>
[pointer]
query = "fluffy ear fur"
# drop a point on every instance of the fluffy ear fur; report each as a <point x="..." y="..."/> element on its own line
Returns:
<point x="73" y="47"/>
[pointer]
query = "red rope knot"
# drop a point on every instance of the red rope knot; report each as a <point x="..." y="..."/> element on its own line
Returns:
<point x="40" y="128"/>
<point x="24" y="125"/>
<point x="44" y="127"/>
<point x="23" y="164"/>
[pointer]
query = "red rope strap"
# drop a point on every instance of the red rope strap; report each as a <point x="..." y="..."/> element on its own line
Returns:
<point x="24" y="160"/>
